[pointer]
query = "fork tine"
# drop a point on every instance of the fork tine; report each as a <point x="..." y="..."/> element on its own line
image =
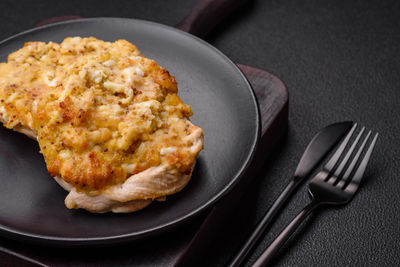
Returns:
<point x="345" y="160"/>
<point x="335" y="158"/>
<point x="363" y="165"/>
<point x="350" y="168"/>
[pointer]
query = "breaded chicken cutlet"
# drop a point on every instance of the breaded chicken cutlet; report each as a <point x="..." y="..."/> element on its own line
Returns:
<point x="109" y="122"/>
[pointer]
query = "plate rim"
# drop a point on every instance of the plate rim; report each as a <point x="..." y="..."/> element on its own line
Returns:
<point x="103" y="240"/>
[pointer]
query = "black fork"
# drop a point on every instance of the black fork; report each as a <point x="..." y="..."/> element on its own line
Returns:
<point x="336" y="184"/>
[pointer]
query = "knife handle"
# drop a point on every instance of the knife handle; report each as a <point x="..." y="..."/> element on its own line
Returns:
<point x="206" y="14"/>
<point x="274" y="247"/>
<point x="263" y="224"/>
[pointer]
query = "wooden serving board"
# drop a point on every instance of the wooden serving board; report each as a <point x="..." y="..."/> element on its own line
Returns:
<point x="186" y="245"/>
<point x="272" y="98"/>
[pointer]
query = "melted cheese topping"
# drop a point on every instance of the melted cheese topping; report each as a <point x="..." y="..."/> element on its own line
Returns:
<point x="101" y="111"/>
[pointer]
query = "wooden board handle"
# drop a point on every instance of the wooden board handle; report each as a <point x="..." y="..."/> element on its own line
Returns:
<point x="206" y="14"/>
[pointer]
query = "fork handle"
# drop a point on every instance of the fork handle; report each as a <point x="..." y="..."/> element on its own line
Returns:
<point x="273" y="248"/>
<point x="264" y="223"/>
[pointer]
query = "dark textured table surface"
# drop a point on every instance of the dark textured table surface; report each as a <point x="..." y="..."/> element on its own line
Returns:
<point x="340" y="61"/>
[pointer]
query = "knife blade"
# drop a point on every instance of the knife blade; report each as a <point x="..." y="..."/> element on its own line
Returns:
<point x="318" y="148"/>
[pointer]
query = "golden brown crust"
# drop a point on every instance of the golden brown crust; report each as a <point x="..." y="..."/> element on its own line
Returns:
<point x="139" y="190"/>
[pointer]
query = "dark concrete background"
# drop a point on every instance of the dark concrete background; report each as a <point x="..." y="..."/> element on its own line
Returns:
<point x="340" y="61"/>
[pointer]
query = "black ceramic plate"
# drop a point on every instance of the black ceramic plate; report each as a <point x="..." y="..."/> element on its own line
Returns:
<point x="32" y="204"/>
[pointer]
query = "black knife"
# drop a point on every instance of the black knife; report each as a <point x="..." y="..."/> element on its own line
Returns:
<point x="315" y="152"/>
